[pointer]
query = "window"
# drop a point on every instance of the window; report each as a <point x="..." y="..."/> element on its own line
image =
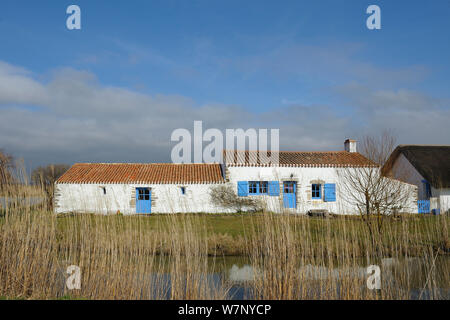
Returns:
<point x="289" y="187"/>
<point x="183" y="190"/>
<point x="258" y="187"/>
<point x="316" y="191"/>
<point x="253" y="187"/>
<point x="103" y="190"/>
<point x="143" y="194"/>
<point x="263" y="187"/>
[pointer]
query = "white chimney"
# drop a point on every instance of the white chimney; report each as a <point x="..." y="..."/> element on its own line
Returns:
<point x="350" y="145"/>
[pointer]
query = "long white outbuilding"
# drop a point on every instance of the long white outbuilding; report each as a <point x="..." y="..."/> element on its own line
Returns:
<point x="298" y="183"/>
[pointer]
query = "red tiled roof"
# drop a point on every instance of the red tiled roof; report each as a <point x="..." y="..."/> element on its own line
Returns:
<point x="304" y="159"/>
<point x="156" y="173"/>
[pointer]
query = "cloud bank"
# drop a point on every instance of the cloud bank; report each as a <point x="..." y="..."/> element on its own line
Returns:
<point x="69" y="116"/>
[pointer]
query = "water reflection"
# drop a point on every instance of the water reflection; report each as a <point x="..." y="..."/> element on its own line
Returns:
<point x="235" y="276"/>
<point x="408" y="277"/>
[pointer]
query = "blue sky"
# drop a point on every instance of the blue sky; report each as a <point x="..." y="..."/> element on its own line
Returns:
<point x="144" y="68"/>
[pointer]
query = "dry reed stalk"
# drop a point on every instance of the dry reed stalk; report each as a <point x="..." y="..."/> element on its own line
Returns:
<point x="303" y="258"/>
<point x="295" y="257"/>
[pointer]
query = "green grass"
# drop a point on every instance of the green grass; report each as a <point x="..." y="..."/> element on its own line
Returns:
<point x="232" y="224"/>
<point x="237" y="227"/>
<point x="240" y="224"/>
<point x="227" y="233"/>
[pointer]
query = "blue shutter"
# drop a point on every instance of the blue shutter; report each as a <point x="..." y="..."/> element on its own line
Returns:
<point x="330" y="192"/>
<point x="242" y="188"/>
<point x="274" y="188"/>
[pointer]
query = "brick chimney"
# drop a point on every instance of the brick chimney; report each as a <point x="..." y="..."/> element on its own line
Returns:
<point x="350" y="145"/>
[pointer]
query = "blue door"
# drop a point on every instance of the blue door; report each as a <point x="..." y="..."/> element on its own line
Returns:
<point x="143" y="200"/>
<point x="289" y="191"/>
<point x="424" y="206"/>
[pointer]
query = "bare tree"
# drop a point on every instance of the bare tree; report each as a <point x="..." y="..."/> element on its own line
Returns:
<point x="224" y="196"/>
<point x="374" y="195"/>
<point x="46" y="178"/>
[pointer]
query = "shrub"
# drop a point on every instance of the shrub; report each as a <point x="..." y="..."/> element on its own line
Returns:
<point x="225" y="197"/>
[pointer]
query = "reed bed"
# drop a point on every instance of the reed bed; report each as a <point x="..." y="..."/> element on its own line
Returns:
<point x="119" y="258"/>
<point x="303" y="258"/>
<point x="172" y="256"/>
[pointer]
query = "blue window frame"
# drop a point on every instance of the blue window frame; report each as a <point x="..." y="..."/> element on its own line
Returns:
<point x="183" y="190"/>
<point x="316" y="191"/>
<point x="289" y="187"/>
<point x="263" y="187"/>
<point x="143" y="194"/>
<point x="258" y="187"/>
<point x="253" y="187"/>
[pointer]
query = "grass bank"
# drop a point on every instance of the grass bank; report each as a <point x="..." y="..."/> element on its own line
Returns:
<point x="228" y="234"/>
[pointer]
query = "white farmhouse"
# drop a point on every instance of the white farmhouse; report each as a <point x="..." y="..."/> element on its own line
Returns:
<point x="109" y="188"/>
<point x="298" y="183"/>
<point x="427" y="167"/>
<point x="306" y="181"/>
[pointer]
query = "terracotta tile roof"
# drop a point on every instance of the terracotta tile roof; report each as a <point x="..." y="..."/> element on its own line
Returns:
<point x="155" y="173"/>
<point x="304" y="159"/>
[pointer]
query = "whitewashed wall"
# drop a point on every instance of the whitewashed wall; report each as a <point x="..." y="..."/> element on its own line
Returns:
<point x="304" y="177"/>
<point x="166" y="198"/>
<point x="404" y="170"/>
<point x="443" y="196"/>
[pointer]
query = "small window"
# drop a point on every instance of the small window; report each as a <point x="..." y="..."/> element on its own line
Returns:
<point x="263" y="187"/>
<point x="253" y="187"/>
<point x="183" y="190"/>
<point x="143" y="194"/>
<point x="316" y="191"/>
<point x="288" y="187"/>
<point x="258" y="187"/>
<point x="103" y="190"/>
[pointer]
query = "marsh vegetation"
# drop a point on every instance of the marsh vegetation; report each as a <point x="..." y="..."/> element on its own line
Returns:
<point x="183" y="256"/>
<point x="209" y="256"/>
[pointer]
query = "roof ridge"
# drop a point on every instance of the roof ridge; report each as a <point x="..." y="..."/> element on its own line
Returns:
<point x="335" y="151"/>
<point x="423" y="145"/>
<point x="147" y="163"/>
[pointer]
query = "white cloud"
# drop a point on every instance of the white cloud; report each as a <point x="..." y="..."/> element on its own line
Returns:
<point x="82" y="120"/>
<point x="17" y="86"/>
<point x="417" y="118"/>
<point x="326" y="63"/>
<point x="388" y="100"/>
